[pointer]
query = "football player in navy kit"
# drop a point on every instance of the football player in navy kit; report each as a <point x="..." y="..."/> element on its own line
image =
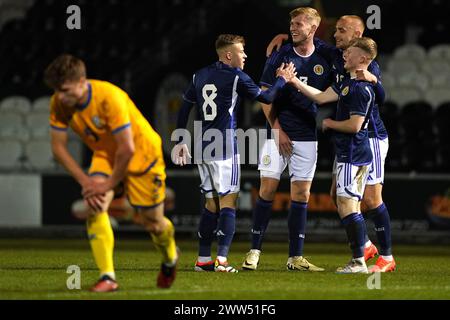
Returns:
<point x="216" y="90"/>
<point x="356" y="100"/>
<point x="349" y="27"/>
<point x="293" y="116"/>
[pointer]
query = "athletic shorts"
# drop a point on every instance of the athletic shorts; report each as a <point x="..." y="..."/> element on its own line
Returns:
<point x="220" y="177"/>
<point x="350" y="180"/>
<point x="145" y="190"/>
<point x="302" y="163"/>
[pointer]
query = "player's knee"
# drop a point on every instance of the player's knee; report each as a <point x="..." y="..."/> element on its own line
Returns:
<point x="300" y="195"/>
<point x="211" y="206"/>
<point x="267" y="193"/>
<point x="152" y="224"/>
<point x="371" y="202"/>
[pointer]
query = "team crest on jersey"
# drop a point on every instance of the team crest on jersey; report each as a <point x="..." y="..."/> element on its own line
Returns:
<point x="318" y="69"/>
<point x="266" y="160"/>
<point x="345" y="91"/>
<point x="97" y="122"/>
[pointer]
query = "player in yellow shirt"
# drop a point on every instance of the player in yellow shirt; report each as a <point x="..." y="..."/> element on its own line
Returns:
<point x="125" y="148"/>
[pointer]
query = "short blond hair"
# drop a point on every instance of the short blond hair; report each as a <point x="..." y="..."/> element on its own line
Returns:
<point x="366" y="44"/>
<point x="225" y="40"/>
<point x="311" y="14"/>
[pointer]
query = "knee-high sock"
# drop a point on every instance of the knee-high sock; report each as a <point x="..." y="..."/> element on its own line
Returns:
<point x="165" y="242"/>
<point x="206" y="232"/>
<point x="225" y="230"/>
<point x="261" y="217"/>
<point x="101" y="239"/>
<point x="382" y="221"/>
<point x="297" y="227"/>
<point x="356" y="230"/>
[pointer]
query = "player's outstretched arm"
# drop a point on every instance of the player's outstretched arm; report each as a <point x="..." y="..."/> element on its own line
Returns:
<point x="284" y="74"/>
<point x="352" y="125"/>
<point x="276" y="43"/>
<point x="316" y="95"/>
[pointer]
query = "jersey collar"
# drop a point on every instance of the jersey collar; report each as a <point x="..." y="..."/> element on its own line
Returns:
<point x="84" y="105"/>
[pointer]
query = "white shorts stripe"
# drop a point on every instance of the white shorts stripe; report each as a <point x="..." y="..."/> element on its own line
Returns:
<point x="379" y="151"/>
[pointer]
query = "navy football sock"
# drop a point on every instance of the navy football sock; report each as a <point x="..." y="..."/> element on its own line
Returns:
<point x="225" y="230"/>
<point x="261" y="217"/>
<point x="297" y="227"/>
<point x="382" y="221"/>
<point x="206" y="232"/>
<point x="355" y="228"/>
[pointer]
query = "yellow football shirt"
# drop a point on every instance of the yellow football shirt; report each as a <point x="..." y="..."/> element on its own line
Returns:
<point x="107" y="111"/>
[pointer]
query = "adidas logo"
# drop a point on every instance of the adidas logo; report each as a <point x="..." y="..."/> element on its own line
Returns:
<point x="256" y="231"/>
<point x="220" y="233"/>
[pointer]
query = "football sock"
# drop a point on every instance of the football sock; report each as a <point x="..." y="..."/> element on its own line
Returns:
<point x="206" y="232"/>
<point x="225" y="230"/>
<point x="165" y="243"/>
<point x="388" y="258"/>
<point x="261" y="216"/>
<point x="203" y="259"/>
<point x="297" y="226"/>
<point x="101" y="239"/>
<point x="222" y="259"/>
<point x="355" y="228"/>
<point x="381" y="219"/>
<point x="367" y="242"/>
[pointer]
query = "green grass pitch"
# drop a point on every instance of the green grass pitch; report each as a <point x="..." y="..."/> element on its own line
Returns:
<point x="37" y="269"/>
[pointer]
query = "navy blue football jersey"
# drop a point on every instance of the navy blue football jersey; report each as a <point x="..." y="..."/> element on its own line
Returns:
<point x="355" y="98"/>
<point x="217" y="90"/>
<point x="296" y="113"/>
<point x="335" y="56"/>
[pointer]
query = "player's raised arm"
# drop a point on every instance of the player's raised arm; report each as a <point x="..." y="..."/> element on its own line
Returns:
<point x="284" y="74"/>
<point x="316" y="95"/>
<point x="276" y="43"/>
<point x="365" y="75"/>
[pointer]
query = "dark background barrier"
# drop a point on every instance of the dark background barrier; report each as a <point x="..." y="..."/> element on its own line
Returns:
<point x="416" y="203"/>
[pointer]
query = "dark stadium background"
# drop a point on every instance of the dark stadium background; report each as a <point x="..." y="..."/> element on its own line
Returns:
<point x="151" y="49"/>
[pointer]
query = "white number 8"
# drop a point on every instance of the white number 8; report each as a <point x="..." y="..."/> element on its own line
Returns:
<point x="209" y="101"/>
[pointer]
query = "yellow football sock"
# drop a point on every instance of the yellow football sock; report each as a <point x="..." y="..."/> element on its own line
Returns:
<point x="101" y="238"/>
<point x="165" y="242"/>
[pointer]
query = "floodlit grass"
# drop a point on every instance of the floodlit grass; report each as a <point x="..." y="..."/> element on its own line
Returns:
<point x="36" y="269"/>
